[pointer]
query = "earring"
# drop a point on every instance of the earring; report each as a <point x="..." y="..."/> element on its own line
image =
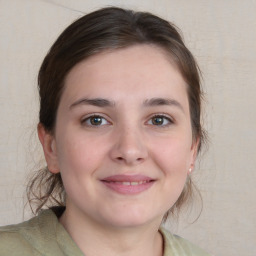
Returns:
<point x="190" y="169"/>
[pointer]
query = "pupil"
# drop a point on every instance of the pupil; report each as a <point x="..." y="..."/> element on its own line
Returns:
<point x="158" y="120"/>
<point x="96" y="120"/>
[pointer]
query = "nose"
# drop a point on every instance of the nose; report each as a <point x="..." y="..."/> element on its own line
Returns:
<point x="129" y="147"/>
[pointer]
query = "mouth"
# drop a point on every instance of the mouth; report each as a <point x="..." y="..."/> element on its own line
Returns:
<point x="126" y="184"/>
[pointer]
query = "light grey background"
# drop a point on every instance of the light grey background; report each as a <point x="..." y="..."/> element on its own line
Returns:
<point x="222" y="36"/>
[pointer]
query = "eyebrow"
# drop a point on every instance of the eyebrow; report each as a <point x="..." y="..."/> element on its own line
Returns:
<point x="162" y="102"/>
<point x="98" y="102"/>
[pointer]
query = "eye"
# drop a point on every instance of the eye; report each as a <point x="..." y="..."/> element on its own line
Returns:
<point x="160" y="120"/>
<point x="95" y="120"/>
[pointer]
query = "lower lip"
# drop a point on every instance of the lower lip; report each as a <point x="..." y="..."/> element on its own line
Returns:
<point x="128" y="189"/>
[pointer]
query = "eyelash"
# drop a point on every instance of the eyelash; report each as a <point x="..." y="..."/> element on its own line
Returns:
<point x="162" y="116"/>
<point x="89" y="118"/>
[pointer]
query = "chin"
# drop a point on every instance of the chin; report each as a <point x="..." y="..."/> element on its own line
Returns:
<point x="130" y="220"/>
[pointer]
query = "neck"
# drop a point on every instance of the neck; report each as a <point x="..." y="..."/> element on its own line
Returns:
<point x="96" y="239"/>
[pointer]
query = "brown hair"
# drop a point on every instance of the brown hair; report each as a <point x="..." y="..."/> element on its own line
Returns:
<point x="108" y="28"/>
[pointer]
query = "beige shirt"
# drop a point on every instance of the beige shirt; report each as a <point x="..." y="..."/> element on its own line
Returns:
<point x="44" y="235"/>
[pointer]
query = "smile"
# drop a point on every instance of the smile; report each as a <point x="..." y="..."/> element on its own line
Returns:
<point x="125" y="184"/>
<point x="128" y="183"/>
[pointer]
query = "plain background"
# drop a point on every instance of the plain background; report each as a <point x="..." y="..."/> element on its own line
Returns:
<point x="222" y="36"/>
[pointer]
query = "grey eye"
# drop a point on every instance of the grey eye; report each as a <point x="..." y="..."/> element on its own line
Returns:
<point x="95" y="120"/>
<point x="160" y="120"/>
<point x="157" y="120"/>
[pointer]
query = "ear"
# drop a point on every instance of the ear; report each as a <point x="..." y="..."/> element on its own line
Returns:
<point x="49" y="146"/>
<point x="194" y="151"/>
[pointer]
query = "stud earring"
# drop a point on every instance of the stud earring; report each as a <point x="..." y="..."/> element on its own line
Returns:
<point x="190" y="170"/>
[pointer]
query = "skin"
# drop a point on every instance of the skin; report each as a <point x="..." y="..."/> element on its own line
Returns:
<point x="127" y="141"/>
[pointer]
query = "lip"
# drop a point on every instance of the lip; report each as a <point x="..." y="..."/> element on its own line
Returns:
<point x="128" y="184"/>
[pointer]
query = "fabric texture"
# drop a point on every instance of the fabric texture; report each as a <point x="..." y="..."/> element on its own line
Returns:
<point x="44" y="235"/>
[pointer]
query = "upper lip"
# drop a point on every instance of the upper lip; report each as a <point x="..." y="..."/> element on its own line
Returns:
<point x="128" y="178"/>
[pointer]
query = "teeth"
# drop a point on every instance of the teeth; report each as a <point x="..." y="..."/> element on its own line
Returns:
<point x="132" y="183"/>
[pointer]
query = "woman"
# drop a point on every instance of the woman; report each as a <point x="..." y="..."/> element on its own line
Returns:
<point x="120" y="129"/>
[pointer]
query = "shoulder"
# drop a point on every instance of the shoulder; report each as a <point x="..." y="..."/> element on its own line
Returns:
<point x="12" y="242"/>
<point x="41" y="235"/>
<point x="177" y="246"/>
<point x="27" y="237"/>
<point x="14" y="239"/>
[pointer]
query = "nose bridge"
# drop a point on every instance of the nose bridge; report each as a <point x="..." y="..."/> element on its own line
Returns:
<point x="129" y="146"/>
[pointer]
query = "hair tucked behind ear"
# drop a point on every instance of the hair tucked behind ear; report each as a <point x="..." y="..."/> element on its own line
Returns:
<point x="189" y="192"/>
<point x="45" y="189"/>
<point x="108" y="29"/>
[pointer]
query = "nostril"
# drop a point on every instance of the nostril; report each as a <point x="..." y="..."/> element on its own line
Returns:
<point x="122" y="159"/>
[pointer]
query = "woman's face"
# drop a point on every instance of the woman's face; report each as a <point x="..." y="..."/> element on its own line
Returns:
<point x="123" y="139"/>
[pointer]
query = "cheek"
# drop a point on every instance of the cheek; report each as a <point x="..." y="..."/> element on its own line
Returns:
<point x="174" y="156"/>
<point x="77" y="154"/>
<point x="174" y="162"/>
<point x="78" y="162"/>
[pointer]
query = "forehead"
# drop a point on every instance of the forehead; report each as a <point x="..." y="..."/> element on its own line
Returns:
<point x="141" y="70"/>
